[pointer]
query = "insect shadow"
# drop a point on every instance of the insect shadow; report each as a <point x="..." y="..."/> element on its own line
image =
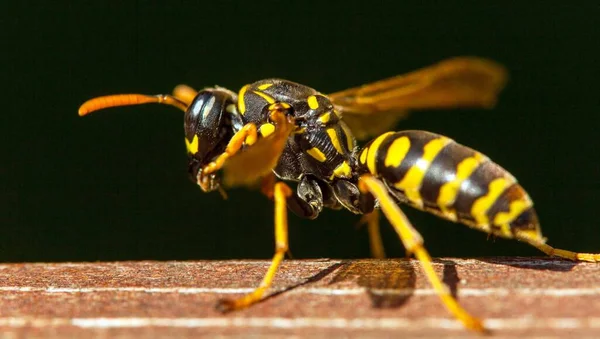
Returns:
<point x="390" y="283"/>
<point x="533" y="263"/>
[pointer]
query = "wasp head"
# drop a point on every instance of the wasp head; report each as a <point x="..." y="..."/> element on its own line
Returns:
<point x="208" y="129"/>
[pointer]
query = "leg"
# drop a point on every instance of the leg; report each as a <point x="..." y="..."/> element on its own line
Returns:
<point x="281" y="192"/>
<point x="551" y="251"/>
<point x="246" y="135"/>
<point x="414" y="243"/>
<point x="375" y="242"/>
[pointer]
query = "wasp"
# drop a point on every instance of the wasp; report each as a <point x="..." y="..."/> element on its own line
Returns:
<point x="274" y="132"/>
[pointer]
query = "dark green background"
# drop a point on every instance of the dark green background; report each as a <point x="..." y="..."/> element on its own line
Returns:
<point x="113" y="186"/>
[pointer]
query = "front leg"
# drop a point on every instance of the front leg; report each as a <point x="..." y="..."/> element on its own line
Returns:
<point x="280" y="193"/>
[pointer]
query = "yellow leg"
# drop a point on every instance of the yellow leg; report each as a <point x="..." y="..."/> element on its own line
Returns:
<point x="375" y="243"/>
<point x="246" y="135"/>
<point x="413" y="242"/>
<point x="281" y="192"/>
<point x="556" y="252"/>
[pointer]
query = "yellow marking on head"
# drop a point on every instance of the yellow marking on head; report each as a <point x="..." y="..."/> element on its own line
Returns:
<point x="300" y="130"/>
<point x="363" y="155"/>
<point x="324" y="118"/>
<point x="411" y="183"/>
<point x="348" y="135"/>
<point x="264" y="86"/>
<point x="449" y="191"/>
<point x="266" y="129"/>
<point x="515" y="209"/>
<point x="230" y="108"/>
<point x="312" y="102"/>
<point x="397" y="151"/>
<point x="335" y="140"/>
<point x="317" y="154"/>
<point x="483" y="204"/>
<point x="192" y="147"/>
<point x="343" y="170"/>
<point x="267" y="97"/>
<point x="241" y="99"/>
<point x="372" y="152"/>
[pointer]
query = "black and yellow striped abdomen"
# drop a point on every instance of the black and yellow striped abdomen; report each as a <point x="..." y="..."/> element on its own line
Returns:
<point x="433" y="173"/>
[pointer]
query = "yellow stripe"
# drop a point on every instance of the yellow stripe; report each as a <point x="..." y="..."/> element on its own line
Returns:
<point x="192" y="147"/>
<point x="483" y="204"/>
<point x="241" y="102"/>
<point x="516" y="208"/>
<point x="266" y="129"/>
<point x="317" y="154"/>
<point x="324" y="118"/>
<point x="264" y="86"/>
<point x="267" y="97"/>
<point x="449" y="191"/>
<point x="397" y="152"/>
<point x="372" y="152"/>
<point x="363" y="155"/>
<point x="411" y="183"/>
<point x="335" y="140"/>
<point x="342" y="171"/>
<point x="312" y="102"/>
<point x="348" y="134"/>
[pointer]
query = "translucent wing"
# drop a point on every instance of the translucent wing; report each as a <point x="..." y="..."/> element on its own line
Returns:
<point x="458" y="82"/>
<point x="257" y="161"/>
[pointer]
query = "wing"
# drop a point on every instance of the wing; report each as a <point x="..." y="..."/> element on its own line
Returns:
<point x="459" y="82"/>
<point x="258" y="160"/>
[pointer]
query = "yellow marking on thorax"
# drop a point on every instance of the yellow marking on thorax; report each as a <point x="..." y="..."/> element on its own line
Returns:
<point x="335" y="140"/>
<point x="192" y="147"/>
<point x="312" y="102"/>
<point x="264" y="86"/>
<point x="280" y="104"/>
<point x="483" y="204"/>
<point x="363" y="155"/>
<point x="397" y="151"/>
<point x="372" y="152"/>
<point x="449" y="191"/>
<point x="343" y="170"/>
<point x="265" y="96"/>
<point x="241" y="99"/>
<point x="317" y="154"/>
<point x="324" y="118"/>
<point x="266" y="129"/>
<point x="411" y="183"/>
<point x="348" y="135"/>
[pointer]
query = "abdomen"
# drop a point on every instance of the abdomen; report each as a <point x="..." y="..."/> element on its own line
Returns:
<point x="435" y="174"/>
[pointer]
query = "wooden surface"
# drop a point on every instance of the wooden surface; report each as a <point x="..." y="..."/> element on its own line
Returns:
<point x="517" y="297"/>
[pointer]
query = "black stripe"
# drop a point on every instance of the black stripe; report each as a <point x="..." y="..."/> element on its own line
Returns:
<point x="442" y="170"/>
<point x="418" y="140"/>
<point x="502" y="204"/>
<point x="476" y="186"/>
